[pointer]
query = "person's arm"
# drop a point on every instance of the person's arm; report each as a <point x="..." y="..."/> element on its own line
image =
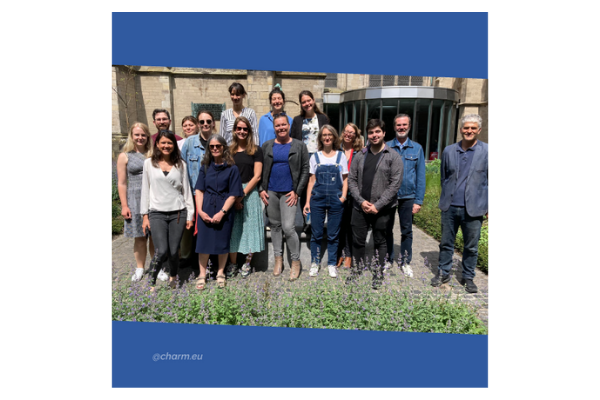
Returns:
<point x="254" y="125"/>
<point x="145" y="199"/>
<point x="420" y="172"/>
<point x="353" y="179"/>
<point x="305" y="168"/>
<point x="187" y="196"/>
<point x="122" y="185"/>
<point x="394" y="182"/>
<point x="344" y="188"/>
<point x="199" y="201"/>
<point x="311" y="184"/>
<point x="296" y="129"/>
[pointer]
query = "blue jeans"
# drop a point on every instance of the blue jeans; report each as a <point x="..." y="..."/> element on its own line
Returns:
<point x="321" y="205"/>
<point x="405" y="217"/>
<point x="452" y="219"/>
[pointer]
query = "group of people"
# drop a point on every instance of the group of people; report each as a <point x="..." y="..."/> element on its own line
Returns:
<point x="283" y="165"/>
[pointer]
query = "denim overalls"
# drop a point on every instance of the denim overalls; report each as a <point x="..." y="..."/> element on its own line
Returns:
<point x="325" y="199"/>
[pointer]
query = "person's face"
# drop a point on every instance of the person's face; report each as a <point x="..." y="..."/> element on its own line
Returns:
<point x="349" y="134"/>
<point x="327" y="138"/>
<point x="307" y="103"/>
<point x="139" y="136"/>
<point x="282" y="127"/>
<point x="206" y="123"/>
<point x="216" y="149"/>
<point x="162" y="122"/>
<point x="376" y="135"/>
<point x="236" y="98"/>
<point x="189" y="128"/>
<point x="241" y="131"/>
<point x="402" y="127"/>
<point x="165" y="146"/>
<point x="470" y="131"/>
<point x="277" y="103"/>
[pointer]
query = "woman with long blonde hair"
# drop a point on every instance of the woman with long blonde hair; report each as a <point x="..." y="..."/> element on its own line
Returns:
<point x="248" y="228"/>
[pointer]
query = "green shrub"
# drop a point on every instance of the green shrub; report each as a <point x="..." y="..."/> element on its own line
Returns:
<point x="117" y="226"/>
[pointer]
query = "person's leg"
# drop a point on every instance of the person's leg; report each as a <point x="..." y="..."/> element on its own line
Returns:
<point x="405" y="216"/>
<point x="317" y="217"/>
<point x="160" y="237"/>
<point x="345" y="243"/>
<point x="187" y="244"/>
<point x="203" y="261"/>
<point x="150" y="246"/>
<point x="139" y="252"/>
<point x="380" y="224"/>
<point x="222" y="263"/>
<point x="177" y="222"/>
<point x="359" y="236"/>
<point x="390" y="236"/>
<point x="471" y="229"/>
<point x="275" y="223"/>
<point x="334" y="221"/>
<point x="288" y="218"/>
<point x="450" y="223"/>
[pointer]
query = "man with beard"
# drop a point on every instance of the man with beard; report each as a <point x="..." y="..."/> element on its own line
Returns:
<point x="464" y="200"/>
<point x="374" y="179"/>
<point x="411" y="193"/>
<point x="162" y="121"/>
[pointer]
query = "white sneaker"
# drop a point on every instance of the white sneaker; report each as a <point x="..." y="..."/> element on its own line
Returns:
<point x="387" y="265"/>
<point x="408" y="272"/>
<point x="314" y="270"/>
<point x="332" y="271"/>
<point x="137" y="276"/>
<point x="163" y="276"/>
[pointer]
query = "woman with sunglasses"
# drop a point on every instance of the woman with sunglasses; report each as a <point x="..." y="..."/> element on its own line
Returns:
<point x="166" y="203"/>
<point x="265" y="125"/>
<point x="326" y="195"/>
<point x="130" y="168"/>
<point x="285" y="174"/>
<point x="217" y="187"/>
<point x="248" y="229"/>
<point x="352" y="142"/>
<point x="237" y="94"/>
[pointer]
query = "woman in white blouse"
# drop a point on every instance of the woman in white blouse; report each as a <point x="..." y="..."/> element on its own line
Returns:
<point x="237" y="94"/>
<point x="166" y="203"/>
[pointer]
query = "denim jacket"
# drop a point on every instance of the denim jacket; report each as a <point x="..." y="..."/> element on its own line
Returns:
<point x="413" y="182"/>
<point x="476" y="188"/>
<point x="192" y="153"/>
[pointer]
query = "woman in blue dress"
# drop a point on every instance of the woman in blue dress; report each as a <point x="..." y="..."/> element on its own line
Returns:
<point x="217" y="188"/>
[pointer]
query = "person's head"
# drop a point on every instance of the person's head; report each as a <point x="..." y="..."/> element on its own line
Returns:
<point x="281" y="126"/>
<point x="242" y="133"/>
<point x="190" y="126"/>
<point x="470" y="127"/>
<point x="375" y="131"/>
<point x="237" y="93"/>
<point x="162" y="119"/>
<point x="217" y="151"/>
<point x="351" y="135"/>
<point x="328" y="136"/>
<point x="139" y="136"/>
<point x="206" y="122"/>
<point x="307" y="103"/>
<point x="402" y="126"/>
<point x="277" y="100"/>
<point x="165" y="148"/>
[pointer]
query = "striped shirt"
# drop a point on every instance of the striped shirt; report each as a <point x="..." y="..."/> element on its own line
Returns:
<point x="227" y="120"/>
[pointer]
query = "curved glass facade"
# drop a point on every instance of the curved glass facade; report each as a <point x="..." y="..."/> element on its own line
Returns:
<point x="432" y="110"/>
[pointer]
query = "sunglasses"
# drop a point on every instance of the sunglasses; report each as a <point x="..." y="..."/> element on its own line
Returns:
<point x="215" y="146"/>
<point x="243" y="129"/>
<point x="281" y="114"/>
<point x="208" y="121"/>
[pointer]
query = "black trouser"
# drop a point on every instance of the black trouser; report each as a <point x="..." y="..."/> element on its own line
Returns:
<point x="167" y="230"/>
<point x="360" y="225"/>
<point x="345" y="244"/>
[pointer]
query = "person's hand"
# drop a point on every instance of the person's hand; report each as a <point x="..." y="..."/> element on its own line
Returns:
<point x="306" y="210"/>
<point x="366" y="206"/>
<point x="146" y="224"/>
<point x="342" y="200"/>
<point x="205" y="217"/>
<point x="292" y="199"/>
<point x="238" y="205"/>
<point x="216" y="219"/>
<point x="126" y="212"/>
<point x="189" y="224"/>
<point x="264" y="196"/>
<point x="372" y="209"/>
<point x="416" y="208"/>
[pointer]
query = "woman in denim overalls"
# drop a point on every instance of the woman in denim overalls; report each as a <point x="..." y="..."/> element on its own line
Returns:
<point x="326" y="194"/>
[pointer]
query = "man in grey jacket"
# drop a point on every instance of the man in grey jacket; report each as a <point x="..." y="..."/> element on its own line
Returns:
<point x="374" y="179"/>
<point x="464" y="200"/>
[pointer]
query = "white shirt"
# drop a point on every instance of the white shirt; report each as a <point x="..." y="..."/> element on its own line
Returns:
<point x="166" y="193"/>
<point x="343" y="166"/>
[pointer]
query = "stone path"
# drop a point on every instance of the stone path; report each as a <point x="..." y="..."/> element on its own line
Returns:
<point x="424" y="264"/>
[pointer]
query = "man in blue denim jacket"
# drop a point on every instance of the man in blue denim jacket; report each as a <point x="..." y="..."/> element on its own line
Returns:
<point x="464" y="200"/>
<point x="411" y="193"/>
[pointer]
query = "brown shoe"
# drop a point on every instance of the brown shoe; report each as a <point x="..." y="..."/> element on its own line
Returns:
<point x="278" y="266"/>
<point x="348" y="262"/>
<point x="340" y="261"/>
<point x="295" y="273"/>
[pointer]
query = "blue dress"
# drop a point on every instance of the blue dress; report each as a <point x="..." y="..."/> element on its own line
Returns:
<point x="218" y="182"/>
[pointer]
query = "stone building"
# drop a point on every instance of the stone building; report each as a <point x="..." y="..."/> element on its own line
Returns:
<point x="434" y="103"/>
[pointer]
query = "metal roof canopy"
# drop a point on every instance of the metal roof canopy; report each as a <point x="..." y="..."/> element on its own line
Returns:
<point x="392" y="92"/>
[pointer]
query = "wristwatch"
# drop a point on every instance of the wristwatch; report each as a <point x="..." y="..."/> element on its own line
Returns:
<point x="224" y="211"/>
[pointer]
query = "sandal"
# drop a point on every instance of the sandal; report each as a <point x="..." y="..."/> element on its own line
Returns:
<point x="245" y="270"/>
<point x="201" y="283"/>
<point x="221" y="282"/>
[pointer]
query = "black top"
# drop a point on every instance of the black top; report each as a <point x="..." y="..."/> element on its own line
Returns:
<point x="202" y="141"/>
<point x="245" y="163"/>
<point x="368" y="174"/>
